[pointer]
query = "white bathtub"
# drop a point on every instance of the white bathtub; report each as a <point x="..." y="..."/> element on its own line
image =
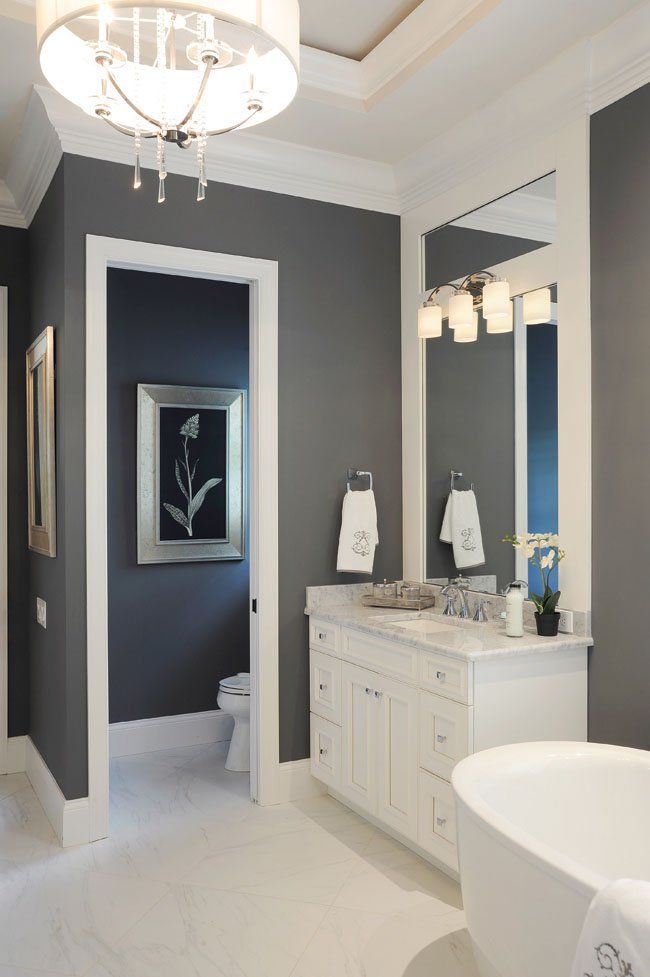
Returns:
<point x="542" y="827"/>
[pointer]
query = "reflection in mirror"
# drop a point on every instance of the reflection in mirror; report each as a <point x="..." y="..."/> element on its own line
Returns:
<point x="490" y="390"/>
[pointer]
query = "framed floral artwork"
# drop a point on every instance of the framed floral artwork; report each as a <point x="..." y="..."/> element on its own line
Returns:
<point x="191" y="473"/>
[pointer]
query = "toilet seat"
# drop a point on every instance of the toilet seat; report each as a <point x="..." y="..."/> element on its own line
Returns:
<point x="239" y="684"/>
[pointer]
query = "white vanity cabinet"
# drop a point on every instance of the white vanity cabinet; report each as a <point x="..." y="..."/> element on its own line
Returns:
<point x="389" y="721"/>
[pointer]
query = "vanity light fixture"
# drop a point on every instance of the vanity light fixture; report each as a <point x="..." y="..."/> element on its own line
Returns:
<point x="174" y="75"/>
<point x="537" y="307"/>
<point x="481" y="290"/>
<point x="467" y="334"/>
<point x="505" y="324"/>
<point x="430" y="321"/>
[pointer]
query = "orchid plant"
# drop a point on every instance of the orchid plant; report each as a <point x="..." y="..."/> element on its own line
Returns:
<point x="544" y="552"/>
<point x="185" y="473"/>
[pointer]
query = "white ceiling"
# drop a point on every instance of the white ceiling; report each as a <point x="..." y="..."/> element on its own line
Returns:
<point x="350" y="28"/>
<point x="446" y="62"/>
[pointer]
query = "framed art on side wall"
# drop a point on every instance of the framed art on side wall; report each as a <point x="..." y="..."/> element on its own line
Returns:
<point x="41" y="454"/>
<point x="191" y="473"/>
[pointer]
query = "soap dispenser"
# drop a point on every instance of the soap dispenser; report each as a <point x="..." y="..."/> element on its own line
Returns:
<point x="515" y="608"/>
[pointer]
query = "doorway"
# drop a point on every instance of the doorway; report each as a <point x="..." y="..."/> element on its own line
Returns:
<point x="261" y="278"/>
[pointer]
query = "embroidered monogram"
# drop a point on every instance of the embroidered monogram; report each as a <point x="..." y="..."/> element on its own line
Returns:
<point x="362" y="544"/>
<point x="610" y="962"/>
<point x="469" y="543"/>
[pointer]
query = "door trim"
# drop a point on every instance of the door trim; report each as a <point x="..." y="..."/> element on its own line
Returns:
<point x="4" y="597"/>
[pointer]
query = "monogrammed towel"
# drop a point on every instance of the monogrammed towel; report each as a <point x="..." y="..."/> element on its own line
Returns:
<point x="615" y="938"/>
<point x="359" y="536"/>
<point x="462" y="528"/>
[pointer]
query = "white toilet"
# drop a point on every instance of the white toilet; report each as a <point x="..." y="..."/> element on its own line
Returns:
<point x="235" y="700"/>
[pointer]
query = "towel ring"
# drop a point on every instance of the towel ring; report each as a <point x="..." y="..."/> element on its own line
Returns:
<point x="354" y="473"/>
<point x="454" y="475"/>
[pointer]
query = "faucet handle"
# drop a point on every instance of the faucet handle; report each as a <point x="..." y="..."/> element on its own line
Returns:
<point x="480" y="614"/>
<point x="450" y="609"/>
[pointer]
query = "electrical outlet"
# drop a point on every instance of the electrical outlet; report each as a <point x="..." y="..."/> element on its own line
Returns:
<point x="566" y="621"/>
<point x="41" y="612"/>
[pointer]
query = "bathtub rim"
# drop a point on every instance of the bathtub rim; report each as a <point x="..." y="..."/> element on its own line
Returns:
<point x="466" y="775"/>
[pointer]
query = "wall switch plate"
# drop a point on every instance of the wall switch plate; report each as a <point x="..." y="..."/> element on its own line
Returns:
<point x="566" y="621"/>
<point x="41" y="612"/>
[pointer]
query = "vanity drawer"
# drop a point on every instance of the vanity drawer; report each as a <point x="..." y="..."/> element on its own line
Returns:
<point x="445" y="733"/>
<point x="437" y="819"/>
<point x="325" y="686"/>
<point x="380" y="655"/>
<point x="324" y="636"/>
<point x="325" y="751"/>
<point x="446" y="676"/>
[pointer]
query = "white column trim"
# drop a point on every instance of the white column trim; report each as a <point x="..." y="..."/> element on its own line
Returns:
<point x="4" y="603"/>
<point x="262" y="276"/>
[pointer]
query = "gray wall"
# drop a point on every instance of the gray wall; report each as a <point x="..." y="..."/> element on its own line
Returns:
<point x="470" y="407"/>
<point x="619" y="675"/>
<point x="340" y="398"/>
<point x="174" y="629"/>
<point x="14" y="273"/>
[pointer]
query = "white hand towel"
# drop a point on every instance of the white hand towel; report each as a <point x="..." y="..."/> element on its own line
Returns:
<point x="615" y="938"/>
<point x="359" y="536"/>
<point x="461" y="527"/>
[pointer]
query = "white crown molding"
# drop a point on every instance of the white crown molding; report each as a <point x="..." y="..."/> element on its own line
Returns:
<point x="522" y="215"/>
<point x="34" y="160"/>
<point x="239" y="158"/>
<point x="10" y="214"/>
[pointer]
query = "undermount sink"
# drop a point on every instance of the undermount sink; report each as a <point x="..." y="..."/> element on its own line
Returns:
<point x="420" y="625"/>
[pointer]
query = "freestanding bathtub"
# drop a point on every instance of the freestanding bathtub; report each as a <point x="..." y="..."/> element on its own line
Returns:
<point x="541" y="828"/>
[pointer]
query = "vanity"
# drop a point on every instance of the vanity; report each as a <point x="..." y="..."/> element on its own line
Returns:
<point x="397" y="698"/>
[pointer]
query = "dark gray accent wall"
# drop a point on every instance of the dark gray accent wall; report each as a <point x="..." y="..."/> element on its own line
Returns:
<point x="175" y="629"/>
<point x="340" y="398"/>
<point x="470" y="411"/>
<point x="14" y="273"/>
<point x="619" y="673"/>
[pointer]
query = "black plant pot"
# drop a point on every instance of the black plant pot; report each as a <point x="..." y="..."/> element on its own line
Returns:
<point x="547" y="624"/>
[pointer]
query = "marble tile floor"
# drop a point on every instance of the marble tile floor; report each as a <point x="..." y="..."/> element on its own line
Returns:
<point x="197" y="882"/>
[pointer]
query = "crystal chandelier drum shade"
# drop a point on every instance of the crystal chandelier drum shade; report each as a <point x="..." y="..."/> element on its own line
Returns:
<point x="177" y="75"/>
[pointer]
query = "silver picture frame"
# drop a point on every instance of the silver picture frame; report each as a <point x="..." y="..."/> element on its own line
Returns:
<point x="151" y="398"/>
<point x="41" y="452"/>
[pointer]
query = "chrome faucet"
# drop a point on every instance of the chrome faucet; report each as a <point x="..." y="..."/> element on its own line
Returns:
<point x="462" y="586"/>
<point x="450" y="592"/>
<point x="481" y="615"/>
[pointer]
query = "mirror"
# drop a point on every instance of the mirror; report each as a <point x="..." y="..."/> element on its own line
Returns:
<point x="490" y="398"/>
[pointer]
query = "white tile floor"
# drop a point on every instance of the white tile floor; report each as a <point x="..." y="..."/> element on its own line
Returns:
<point x="197" y="882"/>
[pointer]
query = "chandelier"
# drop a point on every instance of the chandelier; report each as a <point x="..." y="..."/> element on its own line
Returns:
<point x="175" y="75"/>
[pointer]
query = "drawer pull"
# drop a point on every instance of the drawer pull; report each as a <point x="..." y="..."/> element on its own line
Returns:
<point x="441" y="822"/>
<point x="368" y="691"/>
<point x="323" y="751"/>
<point x="378" y="695"/>
<point x="440" y="738"/>
<point x="323" y="686"/>
<point x="322" y="635"/>
<point x="441" y="676"/>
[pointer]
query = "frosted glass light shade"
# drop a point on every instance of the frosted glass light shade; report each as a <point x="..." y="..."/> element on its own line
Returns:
<point x="461" y="310"/>
<point x="429" y="322"/>
<point x="67" y="30"/>
<point x="496" y="299"/>
<point x="537" y="306"/>
<point x="467" y="333"/>
<point x="504" y="324"/>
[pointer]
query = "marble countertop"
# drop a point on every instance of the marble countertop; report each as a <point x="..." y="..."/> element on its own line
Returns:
<point x="465" y="639"/>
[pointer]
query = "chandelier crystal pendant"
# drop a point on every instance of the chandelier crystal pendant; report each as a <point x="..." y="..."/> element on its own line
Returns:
<point x="175" y="75"/>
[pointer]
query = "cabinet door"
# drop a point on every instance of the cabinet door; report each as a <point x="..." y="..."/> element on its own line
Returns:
<point x="358" y="734"/>
<point x="325" y="686"/>
<point x="445" y="733"/>
<point x="397" y="761"/>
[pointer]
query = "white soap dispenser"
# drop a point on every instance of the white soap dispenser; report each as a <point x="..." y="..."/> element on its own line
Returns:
<point x="515" y="608"/>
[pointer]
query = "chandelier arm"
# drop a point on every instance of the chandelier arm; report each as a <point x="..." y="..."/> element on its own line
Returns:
<point x="220" y="132"/>
<point x="199" y="95"/>
<point x="124" y="129"/>
<point x="125" y="97"/>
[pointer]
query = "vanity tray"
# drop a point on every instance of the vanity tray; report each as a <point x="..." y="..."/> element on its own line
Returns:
<point x="421" y="604"/>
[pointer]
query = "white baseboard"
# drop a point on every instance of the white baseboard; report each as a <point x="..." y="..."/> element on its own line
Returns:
<point x="294" y="782"/>
<point x="16" y="747"/>
<point x="167" y="732"/>
<point x="70" y="819"/>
